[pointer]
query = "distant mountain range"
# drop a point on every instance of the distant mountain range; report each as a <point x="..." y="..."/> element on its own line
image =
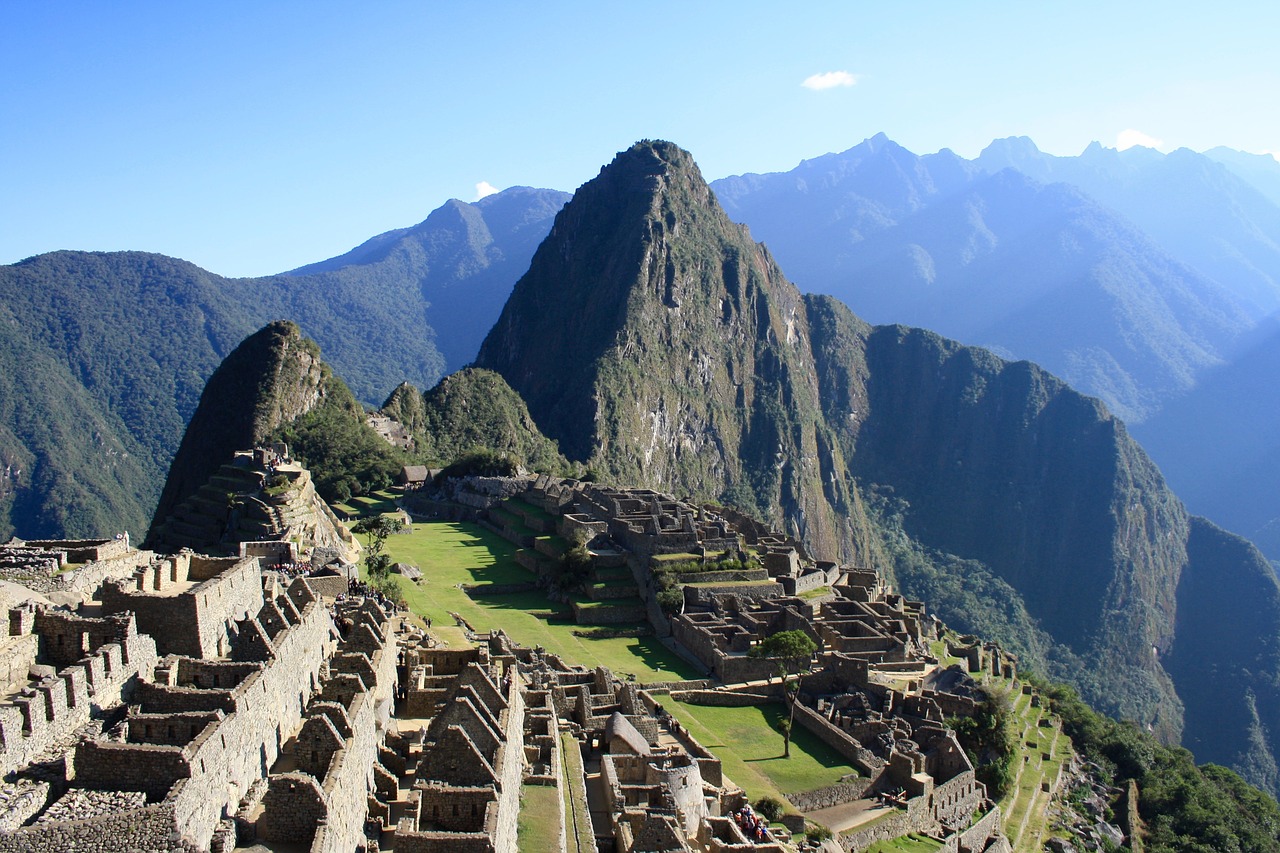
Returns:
<point x="1134" y="275"/>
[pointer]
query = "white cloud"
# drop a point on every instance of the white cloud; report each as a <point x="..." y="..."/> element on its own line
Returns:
<point x="1129" y="138"/>
<point x="484" y="188"/>
<point x="829" y="80"/>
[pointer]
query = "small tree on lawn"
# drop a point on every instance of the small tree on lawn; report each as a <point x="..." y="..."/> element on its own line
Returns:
<point x="791" y="651"/>
<point x="377" y="528"/>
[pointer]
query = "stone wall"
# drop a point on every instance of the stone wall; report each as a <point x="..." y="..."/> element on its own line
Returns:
<point x="916" y="818"/>
<point x="702" y="595"/>
<point x="976" y="837"/>
<point x="199" y="621"/>
<point x="112" y="566"/>
<point x="330" y="586"/>
<point x="722" y="698"/>
<point x="17" y="655"/>
<point x="857" y="755"/>
<point x="149" y="830"/>
<point x="350" y="776"/>
<point x="832" y="795"/>
<point x="211" y="773"/>
<point x="51" y="708"/>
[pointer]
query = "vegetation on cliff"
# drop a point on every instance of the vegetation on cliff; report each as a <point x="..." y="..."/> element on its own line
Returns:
<point x="658" y="344"/>
<point x="476" y="410"/>
<point x="105" y="355"/>
<point x="1207" y="809"/>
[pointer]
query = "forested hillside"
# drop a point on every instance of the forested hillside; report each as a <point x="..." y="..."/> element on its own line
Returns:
<point x="108" y="352"/>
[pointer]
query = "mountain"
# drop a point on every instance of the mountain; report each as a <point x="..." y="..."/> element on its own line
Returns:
<point x="273" y="386"/>
<point x="656" y="342"/>
<point x="463" y="259"/>
<point x="271" y="378"/>
<point x="1196" y="208"/>
<point x="652" y="339"/>
<point x="1261" y="171"/>
<point x="1137" y="276"/>
<point x="1000" y="260"/>
<point x="1218" y="445"/>
<point x="474" y="410"/>
<point x="105" y="354"/>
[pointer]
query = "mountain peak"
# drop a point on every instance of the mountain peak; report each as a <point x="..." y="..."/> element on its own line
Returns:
<point x="272" y="377"/>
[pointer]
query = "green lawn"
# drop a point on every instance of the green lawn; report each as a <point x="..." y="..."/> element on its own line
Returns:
<point x="748" y="744"/>
<point x="381" y="501"/>
<point x="579" y="834"/>
<point x="539" y="823"/>
<point x="906" y="844"/>
<point x="452" y="553"/>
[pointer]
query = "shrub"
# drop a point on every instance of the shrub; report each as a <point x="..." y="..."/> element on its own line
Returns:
<point x="817" y="833"/>
<point x="770" y="808"/>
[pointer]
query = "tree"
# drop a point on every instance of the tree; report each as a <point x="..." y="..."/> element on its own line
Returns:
<point x="377" y="528"/>
<point x="791" y="651"/>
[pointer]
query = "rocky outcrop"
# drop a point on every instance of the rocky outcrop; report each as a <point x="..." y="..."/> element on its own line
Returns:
<point x="274" y="376"/>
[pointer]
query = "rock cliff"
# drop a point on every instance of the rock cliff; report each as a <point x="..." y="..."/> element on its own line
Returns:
<point x="654" y="340"/>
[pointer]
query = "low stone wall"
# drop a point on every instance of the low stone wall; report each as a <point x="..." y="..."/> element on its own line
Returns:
<point x="864" y="759"/>
<point x="673" y="686"/>
<point x="608" y="614"/>
<point x="804" y="583"/>
<point x="149" y="830"/>
<point x="722" y="698"/>
<point x="832" y="795"/>
<point x="916" y="818"/>
<point x="91" y="576"/>
<point x="977" y="836"/>
<point x="700" y="595"/>
<point x="433" y="842"/>
<point x="330" y="586"/>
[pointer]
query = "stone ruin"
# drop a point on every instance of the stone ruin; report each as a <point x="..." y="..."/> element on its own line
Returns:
<point x="259" y="495"/>
<point x="195" y="702"/>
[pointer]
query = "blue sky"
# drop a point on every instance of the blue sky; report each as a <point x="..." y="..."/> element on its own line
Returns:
<point x="252" y="138"/>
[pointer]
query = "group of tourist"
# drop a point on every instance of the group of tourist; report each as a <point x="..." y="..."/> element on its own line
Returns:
<point x="293" y="570"/>
<point x="360" y="588"/>
<point x="754" y="827"/>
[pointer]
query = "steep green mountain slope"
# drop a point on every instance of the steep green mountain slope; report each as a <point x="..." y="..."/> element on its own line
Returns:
<point x="135" y="336"/>
<point x="652" y="338"/>
<point x="474" y="410"/>
<point x="72" y="466"/>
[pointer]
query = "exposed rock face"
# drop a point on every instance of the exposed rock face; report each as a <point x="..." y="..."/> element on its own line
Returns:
<point x="652" y="338"/>
<point x="274" y="376"/>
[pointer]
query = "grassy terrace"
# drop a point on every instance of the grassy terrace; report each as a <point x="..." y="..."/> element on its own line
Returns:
<point x="747" y="742"/>
<point x="1025" y="806"/>
<point x="906" y="844"/>
<point x="453" y="553"/>
<point x="540" y="815"/>
<point x="374" y="502"/>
